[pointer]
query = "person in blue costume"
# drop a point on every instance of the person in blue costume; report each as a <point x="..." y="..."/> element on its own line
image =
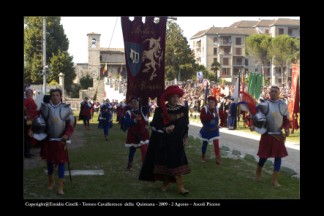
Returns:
<point x="209" y="117"/>
<point x="105" y="119"/>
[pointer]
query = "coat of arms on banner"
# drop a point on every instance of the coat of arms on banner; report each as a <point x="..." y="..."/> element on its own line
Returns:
<point x="134" y="54"/>
<point x="153" y="56"/>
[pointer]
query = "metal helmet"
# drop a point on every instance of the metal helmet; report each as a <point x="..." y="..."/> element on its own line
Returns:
<point x="39" y="127"/>
<point x="259" y="122"/>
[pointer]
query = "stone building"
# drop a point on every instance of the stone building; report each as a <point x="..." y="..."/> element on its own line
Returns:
<point x="226" y="45"/>
<point x="98" y="57"/>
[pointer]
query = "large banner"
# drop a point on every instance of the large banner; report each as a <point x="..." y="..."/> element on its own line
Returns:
<point x="144" y="52"/>
<point x="293" y="100"/>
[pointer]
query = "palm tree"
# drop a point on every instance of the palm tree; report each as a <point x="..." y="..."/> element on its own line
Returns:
<point x="215" y="66"/>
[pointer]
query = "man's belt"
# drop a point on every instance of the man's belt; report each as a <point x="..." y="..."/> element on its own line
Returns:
<point x="210" y="129"/>
<point x="59" y="140"/>
<point x="274" y="133"/>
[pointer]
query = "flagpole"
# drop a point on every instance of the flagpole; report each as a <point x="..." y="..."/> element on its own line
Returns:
<point x="205" y="99"/>
<point x="239" y="85"/>
<point x="44" y="55"/>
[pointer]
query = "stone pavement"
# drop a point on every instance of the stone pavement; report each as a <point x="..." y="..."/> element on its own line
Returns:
<point x="248" y="143"/>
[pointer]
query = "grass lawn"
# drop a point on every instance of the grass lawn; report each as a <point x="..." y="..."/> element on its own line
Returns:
<point x="234" y="179"/>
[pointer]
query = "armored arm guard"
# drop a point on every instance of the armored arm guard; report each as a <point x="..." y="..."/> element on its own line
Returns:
<point x="283" y="109"/>
<point x="263" y="107"/>
<point x="66" y="114"/>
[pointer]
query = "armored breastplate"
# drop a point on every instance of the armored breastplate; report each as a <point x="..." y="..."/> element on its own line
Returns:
<point x="275" y="116"/>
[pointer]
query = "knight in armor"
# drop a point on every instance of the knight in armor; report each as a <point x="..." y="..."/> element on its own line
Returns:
<point x="60" y="122"/>
<point x="209" y="117"/>
<point x="272" y="142"/>
<point x="166" y="159"/>
<point x="136" y="121"/>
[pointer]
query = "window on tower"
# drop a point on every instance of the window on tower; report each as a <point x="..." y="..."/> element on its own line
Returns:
<point x="93" y="42"/>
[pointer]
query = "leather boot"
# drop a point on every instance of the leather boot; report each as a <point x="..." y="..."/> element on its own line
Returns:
<point x="60" y="186"/>
<point x="217" y="152"/>
<point x="50" y="182"/>
<point x="129" y="167"/>
<point x="258" y="173"/>
<point x="166" y="183"/>
<point x="218" y="160"/>
<point x="203" y="158"/>
<point x="275" y="176"/>
<point x="180" y="185"/>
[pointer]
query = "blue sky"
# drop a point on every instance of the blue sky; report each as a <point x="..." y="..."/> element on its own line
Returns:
<point x="77" y="28"/>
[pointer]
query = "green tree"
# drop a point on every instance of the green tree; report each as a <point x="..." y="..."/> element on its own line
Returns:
<point x="259" y="45"/>
<point x="215" y="66"/>
<point x="282" y="49"/>
<point x="295" y="58"/>
<point x="62" y="62"/>
<point x="86" y="82"/>
<point x="57" y="44"/>
<point x="179" y="58"/>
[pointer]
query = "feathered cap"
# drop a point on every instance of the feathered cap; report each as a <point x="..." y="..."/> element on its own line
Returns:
<point x="169" y="92"/>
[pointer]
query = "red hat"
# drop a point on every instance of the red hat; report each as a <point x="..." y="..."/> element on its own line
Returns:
<point x="212" y="98"/>
<point x="172" y="90"/>
<point x="168" y="92"/>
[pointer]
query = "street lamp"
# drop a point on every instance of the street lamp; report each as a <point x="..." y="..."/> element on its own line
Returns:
<point x="44" y="55"/>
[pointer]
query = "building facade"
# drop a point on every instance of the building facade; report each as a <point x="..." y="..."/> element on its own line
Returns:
<point x="226" y="45"/>
<point x="98" y="57"/>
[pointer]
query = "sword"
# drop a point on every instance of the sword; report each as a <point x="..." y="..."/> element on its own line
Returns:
<point x="68" y="159"/>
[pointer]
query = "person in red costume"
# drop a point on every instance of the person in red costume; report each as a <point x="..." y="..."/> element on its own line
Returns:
<point x="136" y="121"/>
<point x="31" y="112"/>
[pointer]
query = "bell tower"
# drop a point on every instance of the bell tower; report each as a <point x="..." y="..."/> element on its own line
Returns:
<point x="94" y="56"/>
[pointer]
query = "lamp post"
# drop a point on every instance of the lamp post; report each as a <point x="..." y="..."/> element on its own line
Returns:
<point x="44" y="55"/>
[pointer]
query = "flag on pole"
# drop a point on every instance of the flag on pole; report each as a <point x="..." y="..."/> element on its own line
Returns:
<point x="121" y="70"/>
<point x="206" y="94"/>
<point x="293" y="100"/>
<point x="144" y="56"/>
<point x="258" y="86"/>
<point x="236" y="90"/>
<point x="252" y="81"/>
<point x="104" y="70"/>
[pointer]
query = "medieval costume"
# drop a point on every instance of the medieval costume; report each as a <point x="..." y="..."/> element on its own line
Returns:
<point x="272" y="142"/>
<point x="210" y="130"/>
<point x="166" y="159"/>
<point x="60" y="122"/>
<point x="137" y="134"/>
<point x="85" y="112"/>
<point x="30" y="113"/>
<point x="223" y="109"/>
<point x="105" y="119"/>
<point x="232" y="112"/>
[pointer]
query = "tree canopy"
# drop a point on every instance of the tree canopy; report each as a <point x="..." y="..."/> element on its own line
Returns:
<point x="259" y="45"/>
<point x="283" y="49"/>
<point x="179" y="58"/>
<point x="57" y="45"/>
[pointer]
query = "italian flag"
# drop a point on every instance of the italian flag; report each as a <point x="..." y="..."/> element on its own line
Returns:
<point x="104" y="71"/>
